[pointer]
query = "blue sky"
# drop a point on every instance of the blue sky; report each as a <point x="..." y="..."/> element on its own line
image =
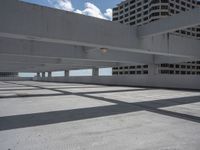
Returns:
<point x="79" y="4"/>
<point x="95" y="8"/>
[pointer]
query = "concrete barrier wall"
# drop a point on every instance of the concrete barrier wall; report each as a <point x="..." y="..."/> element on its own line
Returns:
<point x="15" y="78"/>
<point x="165" y="81"/>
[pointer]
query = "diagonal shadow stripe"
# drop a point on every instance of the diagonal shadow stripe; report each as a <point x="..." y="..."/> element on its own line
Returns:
<point x="36" y="119"/>
<point x="120" y="107"/>
<point x="62" y="92"/>
<point x="29" y="120"/>
<point x="24" y="89"/>
<point x="154" y="103"/>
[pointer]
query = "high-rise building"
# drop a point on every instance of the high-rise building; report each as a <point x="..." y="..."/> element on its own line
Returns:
<point x="140" y="12"/>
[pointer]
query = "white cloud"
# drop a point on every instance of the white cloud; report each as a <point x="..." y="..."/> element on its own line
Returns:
<point x="108" y="13"/>
<point x="62" y="4"/>
<point x="93" y="11"/>
<point x="78" y="11"/>
<point x="90" y="9"/>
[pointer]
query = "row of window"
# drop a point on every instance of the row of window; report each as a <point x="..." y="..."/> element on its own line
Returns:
<point x="129" y="72"/>
<point x="179" y="72"/>
<point x="183" y="32"/>
<point x="138" y="3"/>
<point x="178" y="4"/>
<point x="134" y="10"/>
<point x="173" y="6"/>
<point x="172" y="72"/>
<point x="130" y="67"/>
<point x="177" y="66"/>
<point x="185" y="2"/>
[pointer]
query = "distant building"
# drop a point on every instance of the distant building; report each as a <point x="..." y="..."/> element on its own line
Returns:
<point x="140" y="12"/>
<point x="8" y="74"/>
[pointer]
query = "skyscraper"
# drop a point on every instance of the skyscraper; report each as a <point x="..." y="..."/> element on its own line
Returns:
<point x="140" y="12"/>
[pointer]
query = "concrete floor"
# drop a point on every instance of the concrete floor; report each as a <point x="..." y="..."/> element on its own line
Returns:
<point x="62" y="116"/>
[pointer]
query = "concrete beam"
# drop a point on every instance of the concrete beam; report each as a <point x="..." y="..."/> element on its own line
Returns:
<point x="52" y="50"/>
<point x="38" y="23"/>
<point x="49" y="64"/>
<point x="26" y="67"/>
<point x="176" y="22"/>
<point x="173" y="45"/>
<point x="21" y="48"/>
<point x="44" y="61"/>
<point x="41" y="56"/>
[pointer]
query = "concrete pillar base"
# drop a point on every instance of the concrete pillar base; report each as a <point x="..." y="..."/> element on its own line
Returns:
<point x="38" y="74"/>
<point x="43" y="74"/>
<point x="153" y="69"/>
<point x="95" y="71"/>
<point x="66" y="73"/>
<point x="49" y="74"/>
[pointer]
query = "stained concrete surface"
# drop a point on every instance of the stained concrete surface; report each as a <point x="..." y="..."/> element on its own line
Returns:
<point x="62" y="116"/>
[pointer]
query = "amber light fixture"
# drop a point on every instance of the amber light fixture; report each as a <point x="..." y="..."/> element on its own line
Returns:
<point x="103" y="50"/>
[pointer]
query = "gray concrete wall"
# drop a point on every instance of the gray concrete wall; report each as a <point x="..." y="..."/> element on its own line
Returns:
<point x="15" y="78"/>
<point x="166" y="81"/>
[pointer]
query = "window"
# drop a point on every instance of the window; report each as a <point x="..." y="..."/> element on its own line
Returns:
<point x="182" y="66"/>
<point x="126" y="72"/>
<point x="145" y="72"/>
<point x="132" y="12"/>
<point x="132" y="23"/>
<point x="145" y="66"/>
<point x="132" y="67"/>
<point x="164" y="13"/>
<point x="126" y="67"/>
<point x="145" y="7"/>
<point x="133" y="1"/>
<point x="132" y="72"/>
<point x="183" y="72"/>
<point x="164" y="7"/>
<point x="171" y="66"/>
<point x="133" y="17"/>
<point x="164" y="1"/>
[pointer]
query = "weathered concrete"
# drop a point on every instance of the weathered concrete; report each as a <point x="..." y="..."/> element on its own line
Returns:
<point x="38" y="116"/>
<point x="43" y="39"/>
<point x="172" y="23"/>
<point x="150" y="80"/>
<point x="16" y="78"/>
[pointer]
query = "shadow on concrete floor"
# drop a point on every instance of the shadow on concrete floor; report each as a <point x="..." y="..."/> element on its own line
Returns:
<point x="118" y="107"/>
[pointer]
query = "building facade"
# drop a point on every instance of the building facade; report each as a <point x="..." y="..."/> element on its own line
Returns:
<point x="140" y="12"/>
<point x="8" y="74"/>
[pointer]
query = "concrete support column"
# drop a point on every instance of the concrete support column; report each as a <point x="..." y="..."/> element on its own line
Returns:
<point x="43" y="74"/>
<point x="95" y="71"/>
<point x="66" y="73"/>
<point x="49" y="74"/>
<point x="38" y="74"/>
<point x="153" y="69"/>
